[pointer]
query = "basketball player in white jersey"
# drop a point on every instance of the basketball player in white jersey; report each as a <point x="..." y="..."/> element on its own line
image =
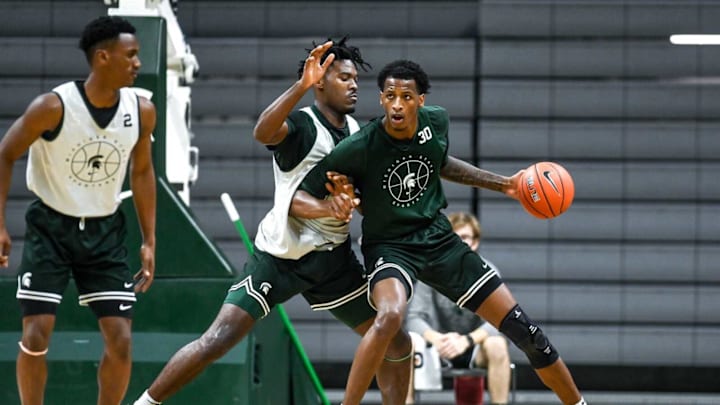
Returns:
<point x="81" y="138"/>
<point x="312" y="257"/>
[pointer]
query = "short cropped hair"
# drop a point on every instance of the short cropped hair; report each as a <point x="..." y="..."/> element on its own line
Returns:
<point x="102" y="29"/>
<point x="406" y="70"/>
<point x="460" y="219"/>
<point x="342" y="51"/>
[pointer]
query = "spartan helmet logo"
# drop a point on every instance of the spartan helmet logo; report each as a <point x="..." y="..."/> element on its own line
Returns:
<point x="95" y="161"/>
<point x="409" y="183"/>
<point x="265" y="287"/>
<point x="407" y="179"/>
<point x="25" y="279"/>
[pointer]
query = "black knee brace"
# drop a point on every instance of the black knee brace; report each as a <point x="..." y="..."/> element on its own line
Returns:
<point x="529" y="338"/>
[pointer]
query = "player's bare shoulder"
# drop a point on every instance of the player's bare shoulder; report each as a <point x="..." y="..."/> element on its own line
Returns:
<point x="146" y="106"/>
<point x="148" y="114"/>
<point x="46" y="103"/>
<point x="44" y="113"/>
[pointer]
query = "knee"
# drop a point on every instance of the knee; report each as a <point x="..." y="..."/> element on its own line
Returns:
<point x="229" y="327"/>
<point x="214" y="343"/>
<point x="35" y="336"/>
<point x="529" y="338"/>
<point x="388" y="322"/>
<point x="496" y="350"/>
<point x="119" y="345"/>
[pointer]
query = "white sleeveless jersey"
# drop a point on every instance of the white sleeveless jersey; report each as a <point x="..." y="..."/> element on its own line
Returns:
<point x="288" y="237"/>
<point x="81" y="171"/>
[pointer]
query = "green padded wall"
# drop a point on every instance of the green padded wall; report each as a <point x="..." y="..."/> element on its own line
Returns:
<point x="182" y="248"/>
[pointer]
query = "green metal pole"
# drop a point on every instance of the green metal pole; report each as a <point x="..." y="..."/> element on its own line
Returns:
<point x="235" y="218"/>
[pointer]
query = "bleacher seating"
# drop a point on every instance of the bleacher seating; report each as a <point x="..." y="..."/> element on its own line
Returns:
<point x="594" y="85"/>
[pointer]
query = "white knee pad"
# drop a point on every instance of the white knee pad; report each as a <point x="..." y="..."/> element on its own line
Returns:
<point x="30" y="352"/>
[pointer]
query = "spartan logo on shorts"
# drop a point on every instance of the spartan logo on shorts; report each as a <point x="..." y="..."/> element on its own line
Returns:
<point x="25" y="279"/>
<point x="407" y="179"/>
<point x="96" y="162"/>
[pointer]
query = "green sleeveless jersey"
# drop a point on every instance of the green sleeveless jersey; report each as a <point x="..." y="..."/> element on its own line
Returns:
<point x="399" y="181"/>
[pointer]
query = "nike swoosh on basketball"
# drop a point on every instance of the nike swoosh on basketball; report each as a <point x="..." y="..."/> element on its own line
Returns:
<point x="546" y="174"/>
<point x="124" y="307"/>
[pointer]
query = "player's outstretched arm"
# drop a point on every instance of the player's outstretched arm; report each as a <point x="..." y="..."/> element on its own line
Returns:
<point x="338" y="206"/>
<point x="271" y="127"/>
<point x="458" y="171"/>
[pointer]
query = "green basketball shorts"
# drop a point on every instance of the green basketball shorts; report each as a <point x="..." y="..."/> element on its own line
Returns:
<point x="439" y="258"/>
<point x="91" y="250"/>
<point x="328" y="280"/>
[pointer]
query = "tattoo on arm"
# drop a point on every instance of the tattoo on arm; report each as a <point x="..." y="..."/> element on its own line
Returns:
<point x="461" y="172"/>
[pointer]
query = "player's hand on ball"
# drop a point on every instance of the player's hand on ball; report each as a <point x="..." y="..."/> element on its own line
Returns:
<point x="512" y="190"/>
<point x="546" y="190"/>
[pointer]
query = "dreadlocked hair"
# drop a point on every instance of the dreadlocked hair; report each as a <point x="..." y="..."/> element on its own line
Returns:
<point x="342" y="51"/>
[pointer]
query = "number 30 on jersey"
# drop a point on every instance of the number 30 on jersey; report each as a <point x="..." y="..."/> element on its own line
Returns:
<point x="425" y="135"/>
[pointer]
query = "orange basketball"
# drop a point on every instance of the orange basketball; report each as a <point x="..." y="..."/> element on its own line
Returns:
<point x="546" y="190"/>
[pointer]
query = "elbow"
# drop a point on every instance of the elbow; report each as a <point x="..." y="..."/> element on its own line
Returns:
<point x="267" y="133"/>
<point x="6" y="160"/>
<point x="258" y="132"/>
<point x="259" y="136"/>
<point x="142" y="175"/>
<point x="262" y="135"/>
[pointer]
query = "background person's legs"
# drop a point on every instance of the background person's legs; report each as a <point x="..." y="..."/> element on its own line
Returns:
<point x="494" y="356"/>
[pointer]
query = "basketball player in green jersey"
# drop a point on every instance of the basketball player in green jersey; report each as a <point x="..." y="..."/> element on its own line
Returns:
<point x="292" y="256"/>
<point x="81" y="137"/>
<point x="397" y="162"/>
